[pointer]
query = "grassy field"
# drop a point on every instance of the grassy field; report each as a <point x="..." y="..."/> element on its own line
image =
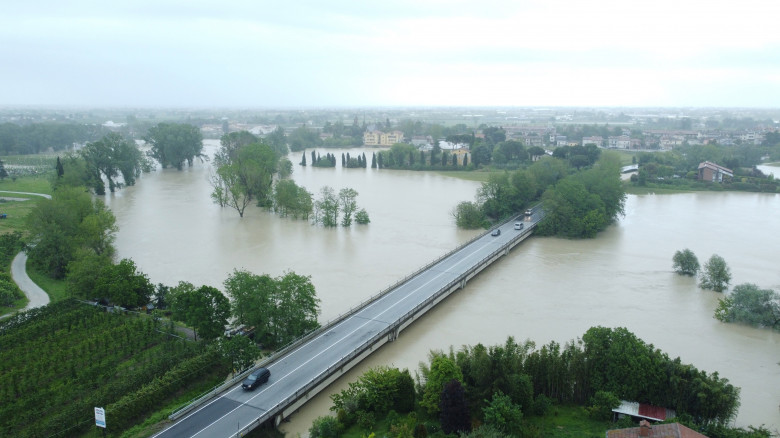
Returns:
<point x="55" y="288"/>
<point x="481" y="175"/>
<point x="16" y="210"/>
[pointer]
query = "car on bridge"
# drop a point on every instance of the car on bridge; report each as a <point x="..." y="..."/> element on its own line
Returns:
<point x="257" y="378"/>
<point x="518" y="225"/>
<point x="496" y="232"/>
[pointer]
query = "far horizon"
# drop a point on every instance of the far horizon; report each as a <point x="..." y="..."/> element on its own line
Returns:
<point x="162" y="54"/>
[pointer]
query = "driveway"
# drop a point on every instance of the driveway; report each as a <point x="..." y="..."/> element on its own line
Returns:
<point x="37" y="296"/>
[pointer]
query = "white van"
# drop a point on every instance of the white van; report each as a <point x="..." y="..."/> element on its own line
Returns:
<point x="518" y="225"/>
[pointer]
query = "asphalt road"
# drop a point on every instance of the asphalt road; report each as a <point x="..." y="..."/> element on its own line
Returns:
<point x="228" y="413"/>
<point x="37" y="296"/>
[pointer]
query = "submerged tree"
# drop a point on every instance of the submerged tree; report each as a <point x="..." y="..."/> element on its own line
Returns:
<point x="751" y="305"/>
<point x="716" y="274"/>
<point x="685" y="262"/>
<point x="173" y="144"/>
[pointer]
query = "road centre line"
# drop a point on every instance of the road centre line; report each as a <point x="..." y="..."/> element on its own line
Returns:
<point x="399" y="301"/>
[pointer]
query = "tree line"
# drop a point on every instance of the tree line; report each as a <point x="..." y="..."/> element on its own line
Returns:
<point x="249" y="170"/>
<point x="494" y="389"/>
<point x="576" y="202"/>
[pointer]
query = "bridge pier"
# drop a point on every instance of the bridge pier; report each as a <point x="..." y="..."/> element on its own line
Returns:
<point x="393" y="334"/>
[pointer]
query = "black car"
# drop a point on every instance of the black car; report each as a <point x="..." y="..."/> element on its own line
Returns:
<point x="257" y="378"/>
<point x="496" y="232"/>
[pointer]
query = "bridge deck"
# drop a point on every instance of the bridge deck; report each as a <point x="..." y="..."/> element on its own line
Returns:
<point x="302" y="371"/>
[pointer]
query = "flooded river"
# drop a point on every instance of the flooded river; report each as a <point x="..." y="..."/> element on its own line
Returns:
<point x="546" y="289"/>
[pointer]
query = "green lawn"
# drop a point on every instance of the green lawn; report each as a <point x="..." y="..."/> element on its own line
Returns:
<point x="55" y="288"/>
<point x="31" y="184"/>
<point x="569" y="421"/>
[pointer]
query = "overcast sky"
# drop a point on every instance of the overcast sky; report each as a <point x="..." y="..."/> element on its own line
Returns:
<point x="251" y="53"/>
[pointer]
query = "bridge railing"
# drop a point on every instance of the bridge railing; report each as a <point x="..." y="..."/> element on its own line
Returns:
<point x="327" y="326"/>
<point x="317" y="380"/>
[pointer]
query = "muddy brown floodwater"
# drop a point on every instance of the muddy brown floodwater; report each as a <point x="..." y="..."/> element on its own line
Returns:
<point x="545" y="290"/>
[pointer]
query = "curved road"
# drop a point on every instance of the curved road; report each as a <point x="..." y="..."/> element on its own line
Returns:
<point x="37" y="296"/>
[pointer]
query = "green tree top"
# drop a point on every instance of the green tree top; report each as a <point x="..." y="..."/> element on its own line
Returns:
<point x="685" y="262"/>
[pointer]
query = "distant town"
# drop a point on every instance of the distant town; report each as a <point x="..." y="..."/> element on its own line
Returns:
<point x="614" y="128"/>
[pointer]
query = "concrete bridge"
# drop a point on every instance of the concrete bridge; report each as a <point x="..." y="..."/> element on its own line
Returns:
<point x="301" y="370"/>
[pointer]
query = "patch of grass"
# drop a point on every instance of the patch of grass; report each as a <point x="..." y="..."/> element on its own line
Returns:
<point x="16" y="213"/>
<point x="481" y="175"/>
<point x="568" y="422"/>
<point x="626" y="157"/>
<point x="636" y="190"/>
<point x="55" y="288"/>
<point x="31" y="184"/>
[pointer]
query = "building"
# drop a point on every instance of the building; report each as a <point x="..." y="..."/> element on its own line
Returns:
<point x="619" y="142"/>
<point x="641" y="411"/>
<point x="597" y="140"/>
<point x="709" y="171"/>
<point x="379" y="138"/>
<point x="645" y="429"/>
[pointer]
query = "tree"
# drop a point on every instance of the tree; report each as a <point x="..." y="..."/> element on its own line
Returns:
<point x="281" y="309"/>
<point x="348" y="203"/>
<point x="240" y="351"/>
<point x="442" y="370"/>
<point x="327" y="207"/>
<point x="4" y="174"/>
<point x="361" y="217"/>
<point x="378" y="390"/>
<point x="601" y="405"/>
<point x="107" y="159"/>
<point x="123" y="285"/>
<point x="291" y="199"/>
<point x="685" y="262"/>
<point x="502" y="414"/>
<point x="454" y="413"/>
<point x="204" y="309"/>
<point x="716" y="274"/>
<point x="749" y="304"/>
<point x="173" y="144"/>
<point x="69" y="222"/>
<point x="245" y="171"/>
<point x="302" y="138"/>
<point x="278" y="141"/>
<point x="83" y="274"/>
<point x="468" y="215"/>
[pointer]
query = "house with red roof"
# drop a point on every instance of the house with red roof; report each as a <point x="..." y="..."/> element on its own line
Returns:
<point x="709" y="171"/>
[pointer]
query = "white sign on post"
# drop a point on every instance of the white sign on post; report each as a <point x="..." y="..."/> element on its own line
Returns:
<point x="100" y="417"/>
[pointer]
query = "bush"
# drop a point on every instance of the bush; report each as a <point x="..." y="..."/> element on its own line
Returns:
<point x="602" y="404"/>
<point x="366" y="420"/>
<point x="540" y="405"/>
<point x="325" y="427"/>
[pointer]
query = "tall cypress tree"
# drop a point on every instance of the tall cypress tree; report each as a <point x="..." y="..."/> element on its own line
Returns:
<point x="454" y="416"/>
<point x="60" y="169"/>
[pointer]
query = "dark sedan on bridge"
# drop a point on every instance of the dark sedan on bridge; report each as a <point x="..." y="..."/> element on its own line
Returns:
<point x="257" y="378"/>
